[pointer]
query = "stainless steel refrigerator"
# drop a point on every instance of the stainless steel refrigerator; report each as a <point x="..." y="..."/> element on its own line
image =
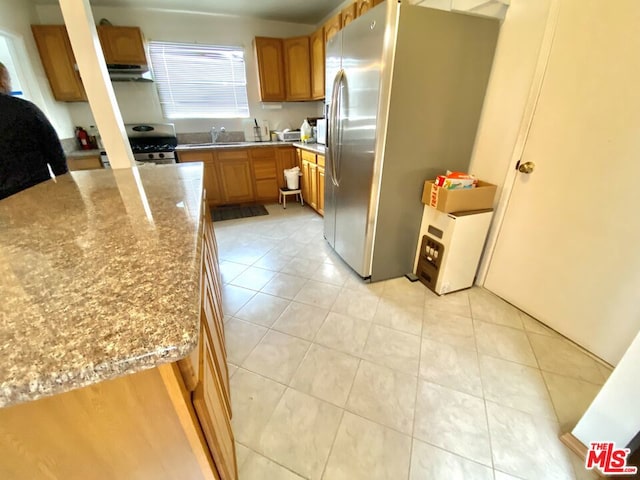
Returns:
<point x="404" y="91"/>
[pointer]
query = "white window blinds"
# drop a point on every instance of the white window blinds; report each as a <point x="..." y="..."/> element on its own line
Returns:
<point x="200" y="81"/>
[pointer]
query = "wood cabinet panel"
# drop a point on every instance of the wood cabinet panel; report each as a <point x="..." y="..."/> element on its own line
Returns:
<point x="137" y="423"/>
<point x="285" y="159"/>
<point x="308" y="156"/>
<point x="332" y="26"/>
<point x="312" y="179"/>
<point x="363" y="6"/>
<point x="208" y="401"/>
<point x="122" y="45"/>
<point x="297" y="66"/>
<point x="348" y="15"/>
<point x="321" y="190"/>
<point x="237" y="184"/>
<point x="270" y="56"/>
<point x="211" y="175"/>
<point x="85" y="163"/>
<point x="317" y="64"/>
<point x="313" y="186"/>
<point x="264" y="168"/>
<point x="59" y="62"/>
<point x="306" y="183"/>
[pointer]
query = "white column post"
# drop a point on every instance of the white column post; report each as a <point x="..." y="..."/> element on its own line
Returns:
<point x="83" y="34"/>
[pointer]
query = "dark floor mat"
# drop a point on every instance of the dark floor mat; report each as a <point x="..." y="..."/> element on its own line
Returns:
<point x="229" y="212"/>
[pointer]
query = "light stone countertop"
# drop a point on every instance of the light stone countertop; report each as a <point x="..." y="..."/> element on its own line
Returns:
<point x="100" y="277"/>
<point x="312" y="147"/>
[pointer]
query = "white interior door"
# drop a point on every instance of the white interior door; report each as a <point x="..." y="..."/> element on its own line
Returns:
<point x="568" y="250"/>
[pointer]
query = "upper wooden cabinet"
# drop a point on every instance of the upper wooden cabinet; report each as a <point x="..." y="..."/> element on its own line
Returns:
<point x="297" y="67"/>
<point x="58" y="62"/>
<point x="269" y="52"/>
<point x="122" y="45"/>
<point x="348" y="15"/>
<point x="332" y="26"/>
<point x="363" y="6"/>
<point x="317" y="64"/>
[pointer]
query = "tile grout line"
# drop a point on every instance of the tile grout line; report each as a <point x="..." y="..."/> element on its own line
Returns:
<point x="484" y="400"/>
<point x="270" y="459"/>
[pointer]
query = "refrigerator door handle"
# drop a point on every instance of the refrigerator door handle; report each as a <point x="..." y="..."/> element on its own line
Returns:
<point x="334" y="128"/>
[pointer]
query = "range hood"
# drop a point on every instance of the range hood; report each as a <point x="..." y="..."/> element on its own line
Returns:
<point x="129" y="73"/>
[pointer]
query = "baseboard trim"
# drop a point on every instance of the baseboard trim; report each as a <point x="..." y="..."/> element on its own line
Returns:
<point x="579" y="448"/>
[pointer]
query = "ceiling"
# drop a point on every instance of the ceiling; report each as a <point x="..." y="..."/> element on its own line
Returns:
<point x="296" y="11"/>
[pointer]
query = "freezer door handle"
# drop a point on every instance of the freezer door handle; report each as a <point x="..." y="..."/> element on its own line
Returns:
<point x="335" y="130"/>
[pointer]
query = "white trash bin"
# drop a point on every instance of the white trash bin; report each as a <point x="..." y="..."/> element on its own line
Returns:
<point x="292" y="176"/>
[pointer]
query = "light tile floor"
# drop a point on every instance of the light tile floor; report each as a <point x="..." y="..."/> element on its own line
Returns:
<point x="335" y="378"/>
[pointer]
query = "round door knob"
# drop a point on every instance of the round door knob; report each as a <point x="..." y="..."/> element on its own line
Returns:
<point x="527" y="167"/>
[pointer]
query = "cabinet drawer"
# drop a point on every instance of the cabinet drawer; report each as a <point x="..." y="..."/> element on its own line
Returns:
<point x="321" y="160"/>
<point x="264" y="169"/>
<point x="263" y="152"/>
<point x="232" y="154"/>
<point x="308" y="156"/>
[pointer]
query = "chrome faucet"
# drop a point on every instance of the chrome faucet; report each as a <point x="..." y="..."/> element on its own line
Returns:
<point x="215" y="133"/>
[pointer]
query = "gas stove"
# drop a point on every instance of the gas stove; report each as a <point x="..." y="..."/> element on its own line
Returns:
<point x="152" y="142"/>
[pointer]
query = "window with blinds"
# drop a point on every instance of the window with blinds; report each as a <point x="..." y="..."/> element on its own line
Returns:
<point x="200" y="81"/>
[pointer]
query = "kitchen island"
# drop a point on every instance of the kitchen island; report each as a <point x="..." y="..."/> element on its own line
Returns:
<point x="112" y="360"/>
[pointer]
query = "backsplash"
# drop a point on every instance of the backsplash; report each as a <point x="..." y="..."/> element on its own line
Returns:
<point x="69" y="144"/>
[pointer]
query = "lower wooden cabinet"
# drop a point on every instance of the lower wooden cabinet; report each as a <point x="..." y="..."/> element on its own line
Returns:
<point x="211" y="174"/>
<point x="243" y="175"/>
<point x="320" y="190"/>
<point x="265" y="173"/>
<point x="84" y="163"/>
<point x="312" y="167"/>
<point x="285" y="158"/>
<point x="169" y="422"/>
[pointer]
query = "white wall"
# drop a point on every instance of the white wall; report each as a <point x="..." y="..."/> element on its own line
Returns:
<point x="614" y="416"/>
<point x="16" y="17"/>
<point x="139" y="102"/>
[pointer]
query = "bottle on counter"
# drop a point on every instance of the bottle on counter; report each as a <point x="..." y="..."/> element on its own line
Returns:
<point x="305" y="131"/>
<point x="94" y="136"/>
<point x="83" y="138"/>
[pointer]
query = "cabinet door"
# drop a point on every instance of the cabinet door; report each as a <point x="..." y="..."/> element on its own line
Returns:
<point x="285" y="158"/>
<point x="313" y="186"/>
<point x="58" y="62"/>
<point x="297" y="66"/>
<point x="264" y="169"/>
<point x="235" y="176"/>
<point x="270" y="69"/>
<point x="317" y="64"/>
<point x="122" y="45"/>
<point x="363" y="6"/>
<point x="320" y="190"/>
<point x="348" y="14"/>
<point x="332" y="26"/>
<point x="306" y="175"/>
<point x="208" y="402"/>
<point x="211" y="175"/>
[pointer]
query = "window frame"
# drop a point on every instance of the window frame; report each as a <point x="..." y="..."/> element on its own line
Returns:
<point x="176" y="86"/>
